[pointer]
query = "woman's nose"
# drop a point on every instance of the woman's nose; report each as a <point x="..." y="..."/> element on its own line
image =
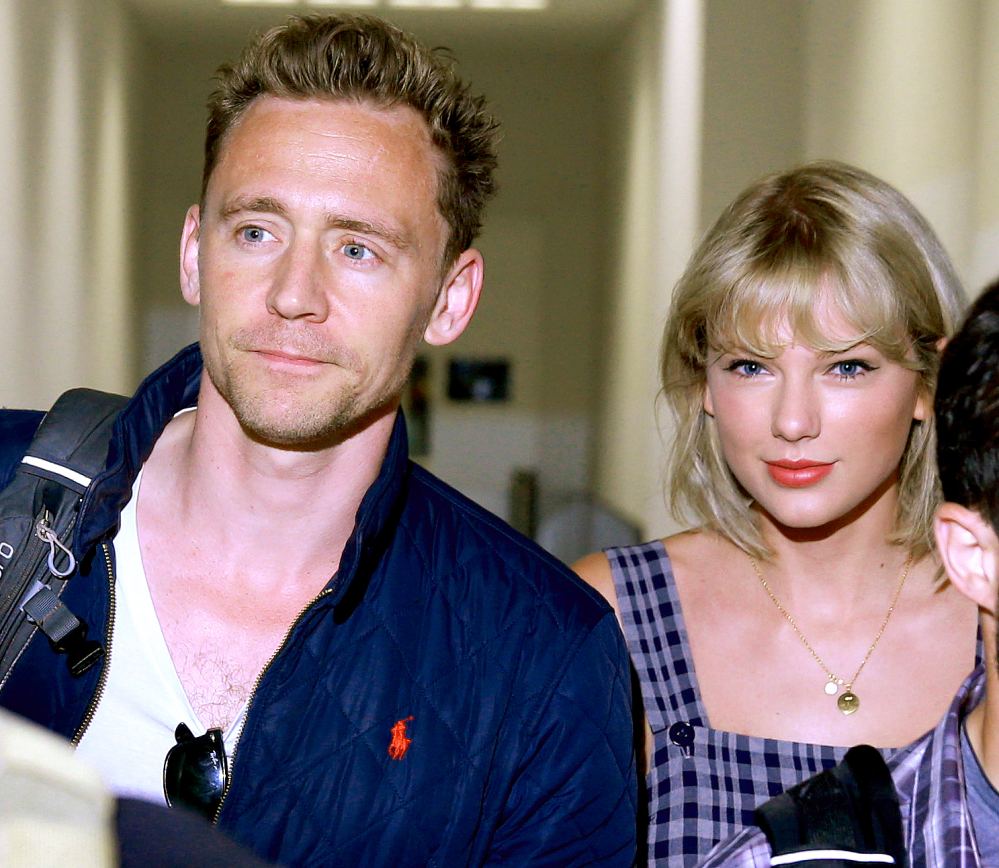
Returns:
<point x="796" y="413"/>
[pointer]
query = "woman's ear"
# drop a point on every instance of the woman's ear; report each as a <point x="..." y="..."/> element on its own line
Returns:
<point x="706" y="401"/>
<point x="924" y="406"/>
<point x="924" y="401"/>
<point x="969" y="550"/>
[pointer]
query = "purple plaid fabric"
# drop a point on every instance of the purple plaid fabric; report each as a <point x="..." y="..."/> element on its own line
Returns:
<point x="704" y="783"/>
<point x="929" y="777"/>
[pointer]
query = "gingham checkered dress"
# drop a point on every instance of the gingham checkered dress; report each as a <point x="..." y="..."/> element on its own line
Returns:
<point x="704" y="783"/>
<point x="929" y="776"/>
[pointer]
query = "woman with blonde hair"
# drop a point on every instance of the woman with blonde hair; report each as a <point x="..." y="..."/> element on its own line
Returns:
<point x="800" y="615"/>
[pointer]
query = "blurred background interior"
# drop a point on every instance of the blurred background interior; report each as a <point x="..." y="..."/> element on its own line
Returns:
<point x="628" y="124"/>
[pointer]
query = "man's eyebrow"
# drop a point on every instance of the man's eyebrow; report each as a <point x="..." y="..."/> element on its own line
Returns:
<point x="365" y="227"/>
<point x="253" y="205"/>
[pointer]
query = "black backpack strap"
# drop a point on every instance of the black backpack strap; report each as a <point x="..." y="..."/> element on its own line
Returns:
<point x="847" y="816"/>
<point x="38" y="512"/>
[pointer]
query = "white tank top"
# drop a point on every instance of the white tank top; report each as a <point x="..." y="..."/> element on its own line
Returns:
<point x="143" y="701"/>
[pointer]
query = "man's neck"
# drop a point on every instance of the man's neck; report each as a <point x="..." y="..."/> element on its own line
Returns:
<point x="263" y="511"/>
<point x="982" y="724"/>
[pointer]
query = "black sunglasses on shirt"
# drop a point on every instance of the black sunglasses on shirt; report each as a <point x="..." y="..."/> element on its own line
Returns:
<point x="195" y="771"/>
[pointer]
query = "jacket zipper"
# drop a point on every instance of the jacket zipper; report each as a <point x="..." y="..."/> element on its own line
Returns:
<point x="88" y="716"/>
<point x="256" y="684"/>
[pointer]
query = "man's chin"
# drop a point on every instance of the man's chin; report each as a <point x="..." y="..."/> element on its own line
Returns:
<point x="310" y="432"/>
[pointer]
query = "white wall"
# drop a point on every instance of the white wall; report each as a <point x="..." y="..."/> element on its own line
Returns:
<point x="892" y="86"/>
<point x="63" y="129"/>
<point x="984" y="265"/>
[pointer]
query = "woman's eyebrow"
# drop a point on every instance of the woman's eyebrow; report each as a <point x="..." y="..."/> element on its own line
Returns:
<point x="849" y="348"/>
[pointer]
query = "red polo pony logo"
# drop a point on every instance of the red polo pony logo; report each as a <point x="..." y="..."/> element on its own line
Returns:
<point x="399" y="744"/>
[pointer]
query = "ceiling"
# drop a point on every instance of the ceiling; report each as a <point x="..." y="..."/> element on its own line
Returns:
<point x="575" y="21"/>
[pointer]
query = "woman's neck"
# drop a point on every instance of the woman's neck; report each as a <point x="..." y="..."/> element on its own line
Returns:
<point x="840" y="558"/>
<point x="850" y="572"/>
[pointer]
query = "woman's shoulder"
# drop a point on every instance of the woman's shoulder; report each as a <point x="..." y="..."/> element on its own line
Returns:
<point x="688" y="548"/>
<point x="697" y="550"/>
<point x="700" y="561"/>
<point x="597" y="571"/>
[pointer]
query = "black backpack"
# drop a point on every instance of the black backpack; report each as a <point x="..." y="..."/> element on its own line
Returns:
<point x="38" y="512"/>
<point x="841" y="818"/>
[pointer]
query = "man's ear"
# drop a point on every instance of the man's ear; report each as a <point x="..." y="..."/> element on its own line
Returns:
<point x="457" y="299"/>
<point x="969" y="550"/>
<point x="190" y="239"/>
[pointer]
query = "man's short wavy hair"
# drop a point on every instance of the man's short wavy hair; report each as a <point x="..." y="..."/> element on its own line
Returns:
<point x="824" y="232"/>
<point x="967" y="411"/>
<point x="363" y="58"/>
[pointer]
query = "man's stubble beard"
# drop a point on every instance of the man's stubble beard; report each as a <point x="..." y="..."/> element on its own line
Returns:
<point x="307" y="420"/>
<point x="303" y="422"/>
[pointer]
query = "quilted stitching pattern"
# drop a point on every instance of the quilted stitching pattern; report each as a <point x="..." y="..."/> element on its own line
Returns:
<point x="514" y="676"/>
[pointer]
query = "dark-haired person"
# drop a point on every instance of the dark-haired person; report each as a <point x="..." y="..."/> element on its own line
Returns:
<point x="948" y="781"/>
<point x="371" y="669"/>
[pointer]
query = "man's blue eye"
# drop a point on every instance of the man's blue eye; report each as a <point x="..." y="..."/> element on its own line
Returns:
<point x="254" y="234"/>
<point x="355" y="251"/>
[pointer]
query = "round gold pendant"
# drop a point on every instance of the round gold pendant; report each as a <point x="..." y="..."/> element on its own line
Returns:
<point x="831" y="688"/>
<point x="848" y="702"/>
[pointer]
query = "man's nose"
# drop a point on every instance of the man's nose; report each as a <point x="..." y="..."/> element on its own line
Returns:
<point x="298" y="289"/>
<point x="796" y="414"/>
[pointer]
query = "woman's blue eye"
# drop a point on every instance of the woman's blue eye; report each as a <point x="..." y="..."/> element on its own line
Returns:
<point x="745" y="367"/>
<point x="850" y="369"/>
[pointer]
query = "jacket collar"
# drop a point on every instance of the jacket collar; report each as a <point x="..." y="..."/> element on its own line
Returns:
<point x="165" y="392"/>
<point x="169" y="390"/>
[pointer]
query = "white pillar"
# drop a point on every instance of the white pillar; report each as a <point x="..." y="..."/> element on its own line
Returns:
<point x="678" y="209"/>
<point x="14" y="333"/>
<point x="64" y="292"/>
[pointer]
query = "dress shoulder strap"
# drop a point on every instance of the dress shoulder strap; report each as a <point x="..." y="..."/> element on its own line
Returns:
<point x="655" y="632"/>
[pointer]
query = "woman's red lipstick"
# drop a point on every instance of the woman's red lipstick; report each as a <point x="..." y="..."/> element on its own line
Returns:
<point x="798" y="474"/>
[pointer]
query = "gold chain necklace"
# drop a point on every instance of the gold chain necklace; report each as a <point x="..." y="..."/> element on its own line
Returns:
<point x="848" y="702"/>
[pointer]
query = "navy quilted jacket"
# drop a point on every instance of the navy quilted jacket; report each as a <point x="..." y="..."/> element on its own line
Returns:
<point x="510" y="675"/>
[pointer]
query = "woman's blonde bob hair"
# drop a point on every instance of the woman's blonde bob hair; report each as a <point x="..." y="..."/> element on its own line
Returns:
<point x="789" y="247"/>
